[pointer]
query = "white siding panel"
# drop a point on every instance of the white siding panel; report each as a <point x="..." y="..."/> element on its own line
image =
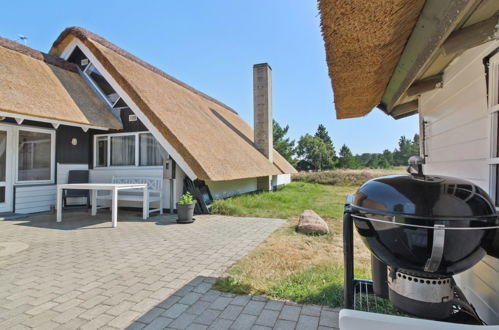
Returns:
<point x="466" y="65"/>
<point x="472" y="99"/>
<point x="492" y="262"/>
<point x="478" y="129"/>
<point x="33" y="199"/>
<point x="471" y="150"/>
<point x="477" y="171"/>
<point x="458" y="144"/>
<point x="479" y="295"/>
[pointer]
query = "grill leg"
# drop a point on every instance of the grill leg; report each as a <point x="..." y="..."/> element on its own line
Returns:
<point x="348" y="259"/>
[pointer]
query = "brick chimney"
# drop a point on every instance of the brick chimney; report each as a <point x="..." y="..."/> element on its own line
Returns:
<point x="262" y="104"/>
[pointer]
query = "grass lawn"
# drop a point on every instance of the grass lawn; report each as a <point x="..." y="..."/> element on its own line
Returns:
<point x="290" y="265"/>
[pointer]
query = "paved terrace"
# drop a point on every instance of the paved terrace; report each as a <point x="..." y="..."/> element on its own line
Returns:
<point x="82" y="274"/>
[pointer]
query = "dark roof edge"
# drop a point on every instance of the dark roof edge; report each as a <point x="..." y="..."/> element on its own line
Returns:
<point x="28" y="51"/>
<point x="83" y="34"/>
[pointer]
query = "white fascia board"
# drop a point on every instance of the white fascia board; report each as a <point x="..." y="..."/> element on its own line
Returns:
<point x="136" y="110"/>
<point x="20" y="118"/>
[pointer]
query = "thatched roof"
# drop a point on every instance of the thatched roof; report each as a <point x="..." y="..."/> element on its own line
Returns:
<point x="364" y="41"/>
<point x="212" y="138"/>
<point x="44" y="86"/>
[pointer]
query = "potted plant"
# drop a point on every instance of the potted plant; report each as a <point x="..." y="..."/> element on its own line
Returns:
<point x="185" y="208"/>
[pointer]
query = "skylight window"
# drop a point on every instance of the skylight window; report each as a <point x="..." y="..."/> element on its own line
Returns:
<point x="101" y="83"/>
<point x="97" y="79"/>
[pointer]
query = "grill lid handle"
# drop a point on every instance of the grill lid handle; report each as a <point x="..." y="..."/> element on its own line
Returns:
<point x="437" y="250"/>
<point x="415" y="166"/>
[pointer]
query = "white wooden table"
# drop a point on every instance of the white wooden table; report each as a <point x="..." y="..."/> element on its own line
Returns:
<point x="94" y="187"/>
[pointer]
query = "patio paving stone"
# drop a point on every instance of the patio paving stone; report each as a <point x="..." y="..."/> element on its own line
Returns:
<point x="150" y="274"/>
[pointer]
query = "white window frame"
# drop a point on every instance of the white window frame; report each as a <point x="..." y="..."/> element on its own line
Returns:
<point x="96" y="149"/>
<point x="137" y="151"/>
<point x="15" y="141"/>
<point x="493" y="107"/>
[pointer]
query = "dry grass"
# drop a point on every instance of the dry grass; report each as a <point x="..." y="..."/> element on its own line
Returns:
<point x="290" y="265"/>
<point x="288" y="252"/>
<point x="345" y="177"/>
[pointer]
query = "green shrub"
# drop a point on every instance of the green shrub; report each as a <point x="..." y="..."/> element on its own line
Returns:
<point x="344" y="177"/>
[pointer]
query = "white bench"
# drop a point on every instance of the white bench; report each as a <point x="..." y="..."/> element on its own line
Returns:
<point x="154" y="188"/>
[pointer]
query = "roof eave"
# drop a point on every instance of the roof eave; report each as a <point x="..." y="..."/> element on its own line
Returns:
<point x="437" y="21"/>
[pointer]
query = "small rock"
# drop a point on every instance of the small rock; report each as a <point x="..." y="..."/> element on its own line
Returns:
<point x="311" y="223"/>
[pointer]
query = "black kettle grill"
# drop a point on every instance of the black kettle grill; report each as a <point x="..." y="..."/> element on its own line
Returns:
<point x="424" y="229"/>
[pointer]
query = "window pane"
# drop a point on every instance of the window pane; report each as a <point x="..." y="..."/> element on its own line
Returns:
<point x="151" y="152"/>
<point x="123" y="150"/>
<point x="34" y="156"/>
<point x="103" y="85"/>
<point x="101" y="154"/>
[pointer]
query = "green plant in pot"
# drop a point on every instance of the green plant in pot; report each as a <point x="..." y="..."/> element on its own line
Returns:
<point x="185" y="208"/>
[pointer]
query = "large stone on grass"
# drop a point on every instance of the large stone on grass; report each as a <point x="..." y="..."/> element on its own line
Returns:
<point x="311" y="223"/>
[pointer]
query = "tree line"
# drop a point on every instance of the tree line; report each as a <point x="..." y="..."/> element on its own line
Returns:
<point x="317" y="152"/>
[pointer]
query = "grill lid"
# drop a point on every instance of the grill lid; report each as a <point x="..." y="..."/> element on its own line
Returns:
<point x="425" y="197"/>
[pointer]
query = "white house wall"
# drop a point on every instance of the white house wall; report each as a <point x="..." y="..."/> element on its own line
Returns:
<point x="458" y="144"/>
<point x="31" y="199"/>
<point x="222" y="189"/>
<point x="281" y="180"/>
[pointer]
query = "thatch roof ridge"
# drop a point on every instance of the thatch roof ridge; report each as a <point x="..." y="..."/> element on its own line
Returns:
<point x="36" y="54"/>
<point x="83" y="34"/>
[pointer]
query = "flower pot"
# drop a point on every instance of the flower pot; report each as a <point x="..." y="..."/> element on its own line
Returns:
<point x="185" y="212"/>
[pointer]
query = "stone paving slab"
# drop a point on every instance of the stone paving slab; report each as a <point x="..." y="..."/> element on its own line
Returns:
<point x="154" y="274"/>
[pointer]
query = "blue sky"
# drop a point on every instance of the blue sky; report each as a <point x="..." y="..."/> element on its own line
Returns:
<point x="212" y="46"/>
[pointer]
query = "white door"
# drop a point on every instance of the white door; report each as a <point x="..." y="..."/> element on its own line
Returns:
<point x="5" y="169"/>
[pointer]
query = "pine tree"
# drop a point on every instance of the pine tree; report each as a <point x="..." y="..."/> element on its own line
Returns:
<point x="346" y="158"/>
<point x="406" y="149"/>
<point x="283" y="145"/>
<point x="323" y="134"/>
